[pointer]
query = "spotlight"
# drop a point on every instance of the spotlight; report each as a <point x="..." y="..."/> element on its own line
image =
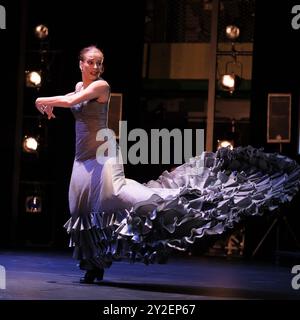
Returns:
<point x="229" y="82"/>
<point x="33" y="79"/>
<point x="30" y="144"/>
<point x="232" y="32"/>
<point x="41" y="31"/>
<point x="33" y="204"/>
<point x="225" y="144"/>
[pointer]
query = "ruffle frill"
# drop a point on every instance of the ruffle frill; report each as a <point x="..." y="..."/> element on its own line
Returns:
<point x="216" y="192"/>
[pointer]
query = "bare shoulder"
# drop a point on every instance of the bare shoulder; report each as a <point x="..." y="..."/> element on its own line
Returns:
<point x="103" y="90"/>
<point x="78" y="86"/>
<point x="101" y="83"/>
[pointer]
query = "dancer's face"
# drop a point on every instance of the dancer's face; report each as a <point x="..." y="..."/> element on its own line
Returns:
<point x="92" y="65"/>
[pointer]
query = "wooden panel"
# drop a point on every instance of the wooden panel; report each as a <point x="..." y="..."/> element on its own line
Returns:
<point x="115" y="112"/>
<point x="279" y="118"/>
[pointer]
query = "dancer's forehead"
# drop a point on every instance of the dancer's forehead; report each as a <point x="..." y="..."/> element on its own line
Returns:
<point x="94" y="54"/>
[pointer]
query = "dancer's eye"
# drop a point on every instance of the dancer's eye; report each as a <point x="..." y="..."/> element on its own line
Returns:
<point x="92" y="62"/>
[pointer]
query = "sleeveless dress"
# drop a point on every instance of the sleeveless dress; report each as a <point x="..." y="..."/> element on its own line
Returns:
<point x="112" y="216"/>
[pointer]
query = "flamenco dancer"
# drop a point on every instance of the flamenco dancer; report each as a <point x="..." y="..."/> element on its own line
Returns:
<point x="112" y="215"/>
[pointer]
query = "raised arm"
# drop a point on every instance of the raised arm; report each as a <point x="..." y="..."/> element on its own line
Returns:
<point x="98" y="90"/>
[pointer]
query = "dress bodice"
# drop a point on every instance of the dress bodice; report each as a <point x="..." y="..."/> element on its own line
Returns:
<point x="90" y="116"/>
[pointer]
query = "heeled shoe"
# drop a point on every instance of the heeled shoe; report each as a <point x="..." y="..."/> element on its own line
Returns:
<point x="91" y="275"/>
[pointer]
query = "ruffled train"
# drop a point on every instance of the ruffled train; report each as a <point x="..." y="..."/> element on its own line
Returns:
<point x="214" y="193"/>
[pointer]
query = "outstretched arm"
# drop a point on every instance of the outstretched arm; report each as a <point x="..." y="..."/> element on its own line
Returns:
<point x="98" y="90"/>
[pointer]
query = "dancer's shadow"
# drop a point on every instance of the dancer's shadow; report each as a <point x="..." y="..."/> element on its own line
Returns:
<point x="201" y="291"/>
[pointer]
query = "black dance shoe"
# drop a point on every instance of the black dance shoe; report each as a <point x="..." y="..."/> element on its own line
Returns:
<point x="92" y="275"/>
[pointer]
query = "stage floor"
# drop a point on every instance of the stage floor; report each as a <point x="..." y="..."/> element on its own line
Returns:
<point x="38" y="275"/>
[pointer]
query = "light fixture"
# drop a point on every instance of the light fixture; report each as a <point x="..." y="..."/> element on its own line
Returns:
<point x="232" y="32"/>
<point x="41" y="31"/>
<point x="33" y="79"/>
<point x="231" y="79"/>
<point x="30" y="144"/>
<point x="229" y="82"/>
<point x="33" y="204"/>
<point x="225" y="144"/>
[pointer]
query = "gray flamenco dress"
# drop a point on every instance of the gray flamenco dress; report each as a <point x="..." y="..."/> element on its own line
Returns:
<point x="112" y="216"/>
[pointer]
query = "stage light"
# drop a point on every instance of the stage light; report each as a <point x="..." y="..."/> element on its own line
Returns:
<point x="30" y="144"/>
<point x="33" y="79"/>
<point x="232" y="76"/>
<point x="33" y="204"/>
<point x="229" y="82"/>
<point x="41" y="31"/>
<point x="232" y="32"/>
<point x="225" y="144"/>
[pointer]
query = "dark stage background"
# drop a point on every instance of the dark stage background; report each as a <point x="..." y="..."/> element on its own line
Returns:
<point x="118" y="28"/>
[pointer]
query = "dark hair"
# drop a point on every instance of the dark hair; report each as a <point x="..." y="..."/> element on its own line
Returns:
<point x="86" y="49"/>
